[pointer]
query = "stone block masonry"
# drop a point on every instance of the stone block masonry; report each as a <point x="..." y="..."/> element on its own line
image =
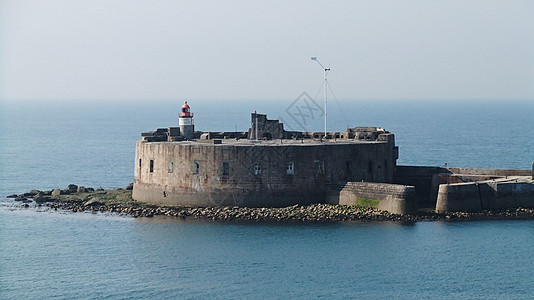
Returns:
<point x="246" y="173"/>
<point x="428" y="180"/>
<point x="264" y="167"/>
<point x="268" y="166"/>
<point x="487" y="195"/>
<point x="421" y="177"/>
<point x="398" y="199"/>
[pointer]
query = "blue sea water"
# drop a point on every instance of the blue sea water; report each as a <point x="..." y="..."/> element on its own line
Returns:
<point x="61" y="255"/>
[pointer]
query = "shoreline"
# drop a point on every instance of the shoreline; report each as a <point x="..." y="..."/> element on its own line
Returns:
<point x="81" y="199"/>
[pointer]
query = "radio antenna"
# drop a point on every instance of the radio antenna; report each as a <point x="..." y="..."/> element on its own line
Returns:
<point x="325" y="91"/>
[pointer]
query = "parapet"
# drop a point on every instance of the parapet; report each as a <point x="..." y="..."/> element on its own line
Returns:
<point x="486" y="195"/>
<point x="264" y="129"/>
<point x="169" y="134"/>
<point x="213" y="135"/>
<point x="158" y="135"/>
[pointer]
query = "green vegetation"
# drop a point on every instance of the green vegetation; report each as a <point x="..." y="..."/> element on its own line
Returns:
<point x="107" y="197"/>
<point x="367" y="203"/>
<point x="113" y="196"/>
<point x="118" y="197"/>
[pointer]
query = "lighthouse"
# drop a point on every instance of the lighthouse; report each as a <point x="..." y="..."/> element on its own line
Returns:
<point x="185" y="121"/>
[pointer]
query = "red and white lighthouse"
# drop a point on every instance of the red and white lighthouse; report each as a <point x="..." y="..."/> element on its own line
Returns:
<point x="185" y="121"/>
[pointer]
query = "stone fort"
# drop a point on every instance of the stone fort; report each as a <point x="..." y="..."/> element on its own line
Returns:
<point x="265" y="166"/>
<point x="268" y="166"/>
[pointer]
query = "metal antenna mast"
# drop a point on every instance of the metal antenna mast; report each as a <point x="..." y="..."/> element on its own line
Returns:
<point x="325" y="91"/>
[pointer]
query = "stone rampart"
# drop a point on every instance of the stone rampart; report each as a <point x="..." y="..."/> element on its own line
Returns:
<point x="421" y="177"/>
<point x="458" y="197"/>
<point x="428" y="179"/>
<point x="490" y="172"/>
<point x="488" y="195"/>
<point x="249" y="173"/>
<point x="398" y="199"/>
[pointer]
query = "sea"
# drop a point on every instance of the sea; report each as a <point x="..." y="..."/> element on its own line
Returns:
<point x="62" y="255"/>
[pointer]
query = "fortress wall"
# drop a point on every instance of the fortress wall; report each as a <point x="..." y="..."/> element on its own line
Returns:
<point x="484" y="196"/>
<point x="444" y="178"/>
<point x="512" y="194"/>
<point x="458" y="197"/>
<point x="398" y="199"/>
<point x="490" y="172"/>
<point x="428" y="179"/>
<point x="223" y="197"/>
<point x="227" y="173"/>
<point x="422" y="178"/>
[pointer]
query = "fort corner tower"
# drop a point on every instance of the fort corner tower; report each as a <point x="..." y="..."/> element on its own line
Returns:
<point x="185" y="122"/>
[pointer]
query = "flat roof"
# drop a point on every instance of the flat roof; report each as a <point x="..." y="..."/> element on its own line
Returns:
<point x="285" y="142"/>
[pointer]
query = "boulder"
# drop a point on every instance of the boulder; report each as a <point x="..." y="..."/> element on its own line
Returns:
<point x="129" y="187"/>
<point x="81" y="189"/>
<point x="72" y="188"/>
<point x="93" y="202"/>
<point x="57" y="192"/>
<point x="12" y="196"/>
<point x="21" y="198"/>
<point x="34" y="192"/>
<point x="90" y="190"/>
<point x="41" y="198"/>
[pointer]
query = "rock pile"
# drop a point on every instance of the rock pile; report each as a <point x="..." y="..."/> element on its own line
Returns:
<point x="311" y="213"/>
<point x="80" y="199"/>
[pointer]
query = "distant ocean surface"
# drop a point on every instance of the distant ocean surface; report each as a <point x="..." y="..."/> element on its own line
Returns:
<point x="60" y="255"/>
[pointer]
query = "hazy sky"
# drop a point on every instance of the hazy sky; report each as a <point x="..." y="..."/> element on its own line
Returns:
<point x="157" y="49"/>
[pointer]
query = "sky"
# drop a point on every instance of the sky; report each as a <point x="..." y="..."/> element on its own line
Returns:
<point x="236" y="49"/>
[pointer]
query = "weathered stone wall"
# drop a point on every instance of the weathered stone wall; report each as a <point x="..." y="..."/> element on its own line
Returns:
<point x="266" y="129"/>
<point x="427" y="179"/>
<point x="254" y="174"/>
<point x="490" y="195"/>
<point x="490" y="172"/>
<point x="421" y="178"/>
<point x="398" y="199"/>
<point x="458" y="197"/>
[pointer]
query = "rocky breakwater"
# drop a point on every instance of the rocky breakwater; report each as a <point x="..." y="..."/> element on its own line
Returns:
<point x="311" y="213"/>
<point x="81" y="199"/>
<point x="40" y="197"/>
